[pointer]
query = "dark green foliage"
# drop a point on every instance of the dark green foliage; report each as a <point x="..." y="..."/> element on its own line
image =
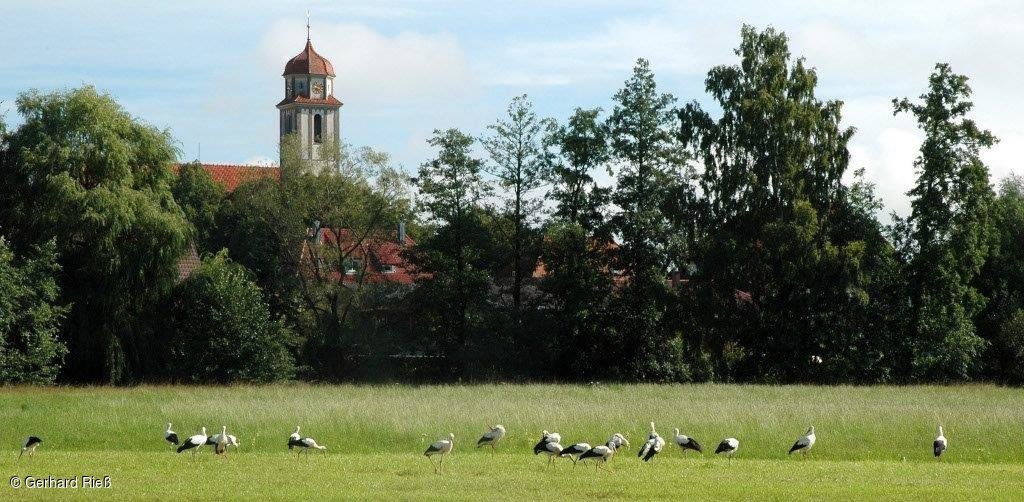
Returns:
<point x="785" y="277"/>
<point x="517" y="161"/>
<point x="221" y="330"/>
<point x="1002" y="281"/>
<point x="83" y="173"/>
<point x="30" y="351"/>
<point x="950" y="230"/>
<point x="575" y="151"/>
<point x="199" y="198"/>
<point x="641" y="130"/>
<point x="579" y="288"/>
<point x="455" y="291"/>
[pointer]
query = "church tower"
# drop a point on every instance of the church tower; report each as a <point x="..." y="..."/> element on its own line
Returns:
<point x="309" y="107"/>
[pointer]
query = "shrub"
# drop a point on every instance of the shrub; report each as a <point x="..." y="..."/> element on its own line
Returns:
<point x="222" y="329"/>
<point x="30" y="351"/>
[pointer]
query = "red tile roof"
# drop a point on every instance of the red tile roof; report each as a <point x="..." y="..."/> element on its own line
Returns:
<point x="308" y="62"/>
<point x="230" y="176"/>
<point x="382" y="258"/>
<point x="298" y="98"/>
<point x="188" y="262"/>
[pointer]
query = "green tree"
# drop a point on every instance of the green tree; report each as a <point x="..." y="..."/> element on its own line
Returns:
<point x="221" y="330"/>
<point x="779" y="271"/>
<point x="349" y="212"/>
<point x="579" y="288"/>
<point x="199" y="198"/>
<point x="950" y="228"/>
<point x="517" y="160"/>
<point x="641" y="131"/>
<point x="84" y="173"/>
<point x="1002" y="282"/>
<point x="30" y="318"/>
<point x="575" y="151"/>
<point x="456" y="290"/>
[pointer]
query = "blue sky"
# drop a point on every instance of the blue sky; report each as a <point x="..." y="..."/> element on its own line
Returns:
<point x="210" y="71"/>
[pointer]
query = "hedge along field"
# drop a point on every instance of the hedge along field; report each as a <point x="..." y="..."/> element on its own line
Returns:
<point x="872" y="441"/>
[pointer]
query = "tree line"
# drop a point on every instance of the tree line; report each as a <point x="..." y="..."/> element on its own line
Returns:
<point x="735" y="244"/>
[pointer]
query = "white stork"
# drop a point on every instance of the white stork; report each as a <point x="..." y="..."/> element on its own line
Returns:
<point x="440" y="447"/>
<point x="940" y="444"/>
<point x="728" y="446"/>
<point x="194" y="442"/>
<point x="170" y="435"/>
<point x="602" y="453"/>
<point x="805" y="443"/>
<point x="687" y="443"/>
<point x="545" y="438"/>
<point x="574" y="451"/>
<point x="550" y="448"/>
<point x="653" y="445"/>
<point x="307" y="443"/>
<point x="30" y="444"/>
<point x="618" y="441"/>
<point x="295" y="439"/>
<point x="492" y="436"/>
<point x="223" y="440"/>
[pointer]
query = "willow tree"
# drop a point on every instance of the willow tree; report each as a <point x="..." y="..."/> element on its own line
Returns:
<point x="84" y="173"/>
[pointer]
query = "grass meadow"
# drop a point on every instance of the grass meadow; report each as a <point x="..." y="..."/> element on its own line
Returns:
<point x="873" y="442"/>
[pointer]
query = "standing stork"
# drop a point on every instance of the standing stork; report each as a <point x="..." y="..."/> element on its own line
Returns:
<point x="295" y="440"/>
<point x="170" y="435"/>
<point x="545" y="438"/>
<point x="574" y="451"/>
<point x="653" y="445"/>
<point x="492" y="436"/>
<point x="550" y="448"/>
<point x="687" y="443"/>
<point x="728" y="446"/>
<point x="805" y="443"/>
<point x="940" y="444"/>
<point x="602" y="453"/>
<point x="618" y="441"/>
<point x="30" y="444"/>
<point x="194" y="442"/>
<point x="440" y="447"/>
<point x="223" y="437"/>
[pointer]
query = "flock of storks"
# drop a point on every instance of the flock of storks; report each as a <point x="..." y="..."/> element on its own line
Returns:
<point x="550" y="444"/>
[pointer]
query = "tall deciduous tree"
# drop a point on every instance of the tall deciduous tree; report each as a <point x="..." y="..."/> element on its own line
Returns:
<point x="950" y="227"/>
<point x="776" y="271"/>
<point x="86" y="174"/>
<point x="451" y="189"/>
<point x="517" y="160"/>
<point x="575" y="151"/>
<point x="641" y="131"/>
<point x="1002" y="282"/>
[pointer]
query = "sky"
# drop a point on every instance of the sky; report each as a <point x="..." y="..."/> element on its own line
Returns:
<point x="210" y="72"/>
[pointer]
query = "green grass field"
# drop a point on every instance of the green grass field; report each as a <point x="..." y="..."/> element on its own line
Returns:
<point x="873" y="442"/>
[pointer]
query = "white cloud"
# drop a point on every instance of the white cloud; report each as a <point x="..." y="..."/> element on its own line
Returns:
<point x="374" y="69"/>
<point x="260" y="160"/>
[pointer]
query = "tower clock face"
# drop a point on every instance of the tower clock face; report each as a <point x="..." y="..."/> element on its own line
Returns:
<point x="318" y="89"/>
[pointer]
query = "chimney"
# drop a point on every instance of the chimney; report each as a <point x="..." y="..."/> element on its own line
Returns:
<point x="401" y="233"/>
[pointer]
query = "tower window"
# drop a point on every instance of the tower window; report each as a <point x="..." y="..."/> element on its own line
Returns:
<point x="318" y="128"/>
